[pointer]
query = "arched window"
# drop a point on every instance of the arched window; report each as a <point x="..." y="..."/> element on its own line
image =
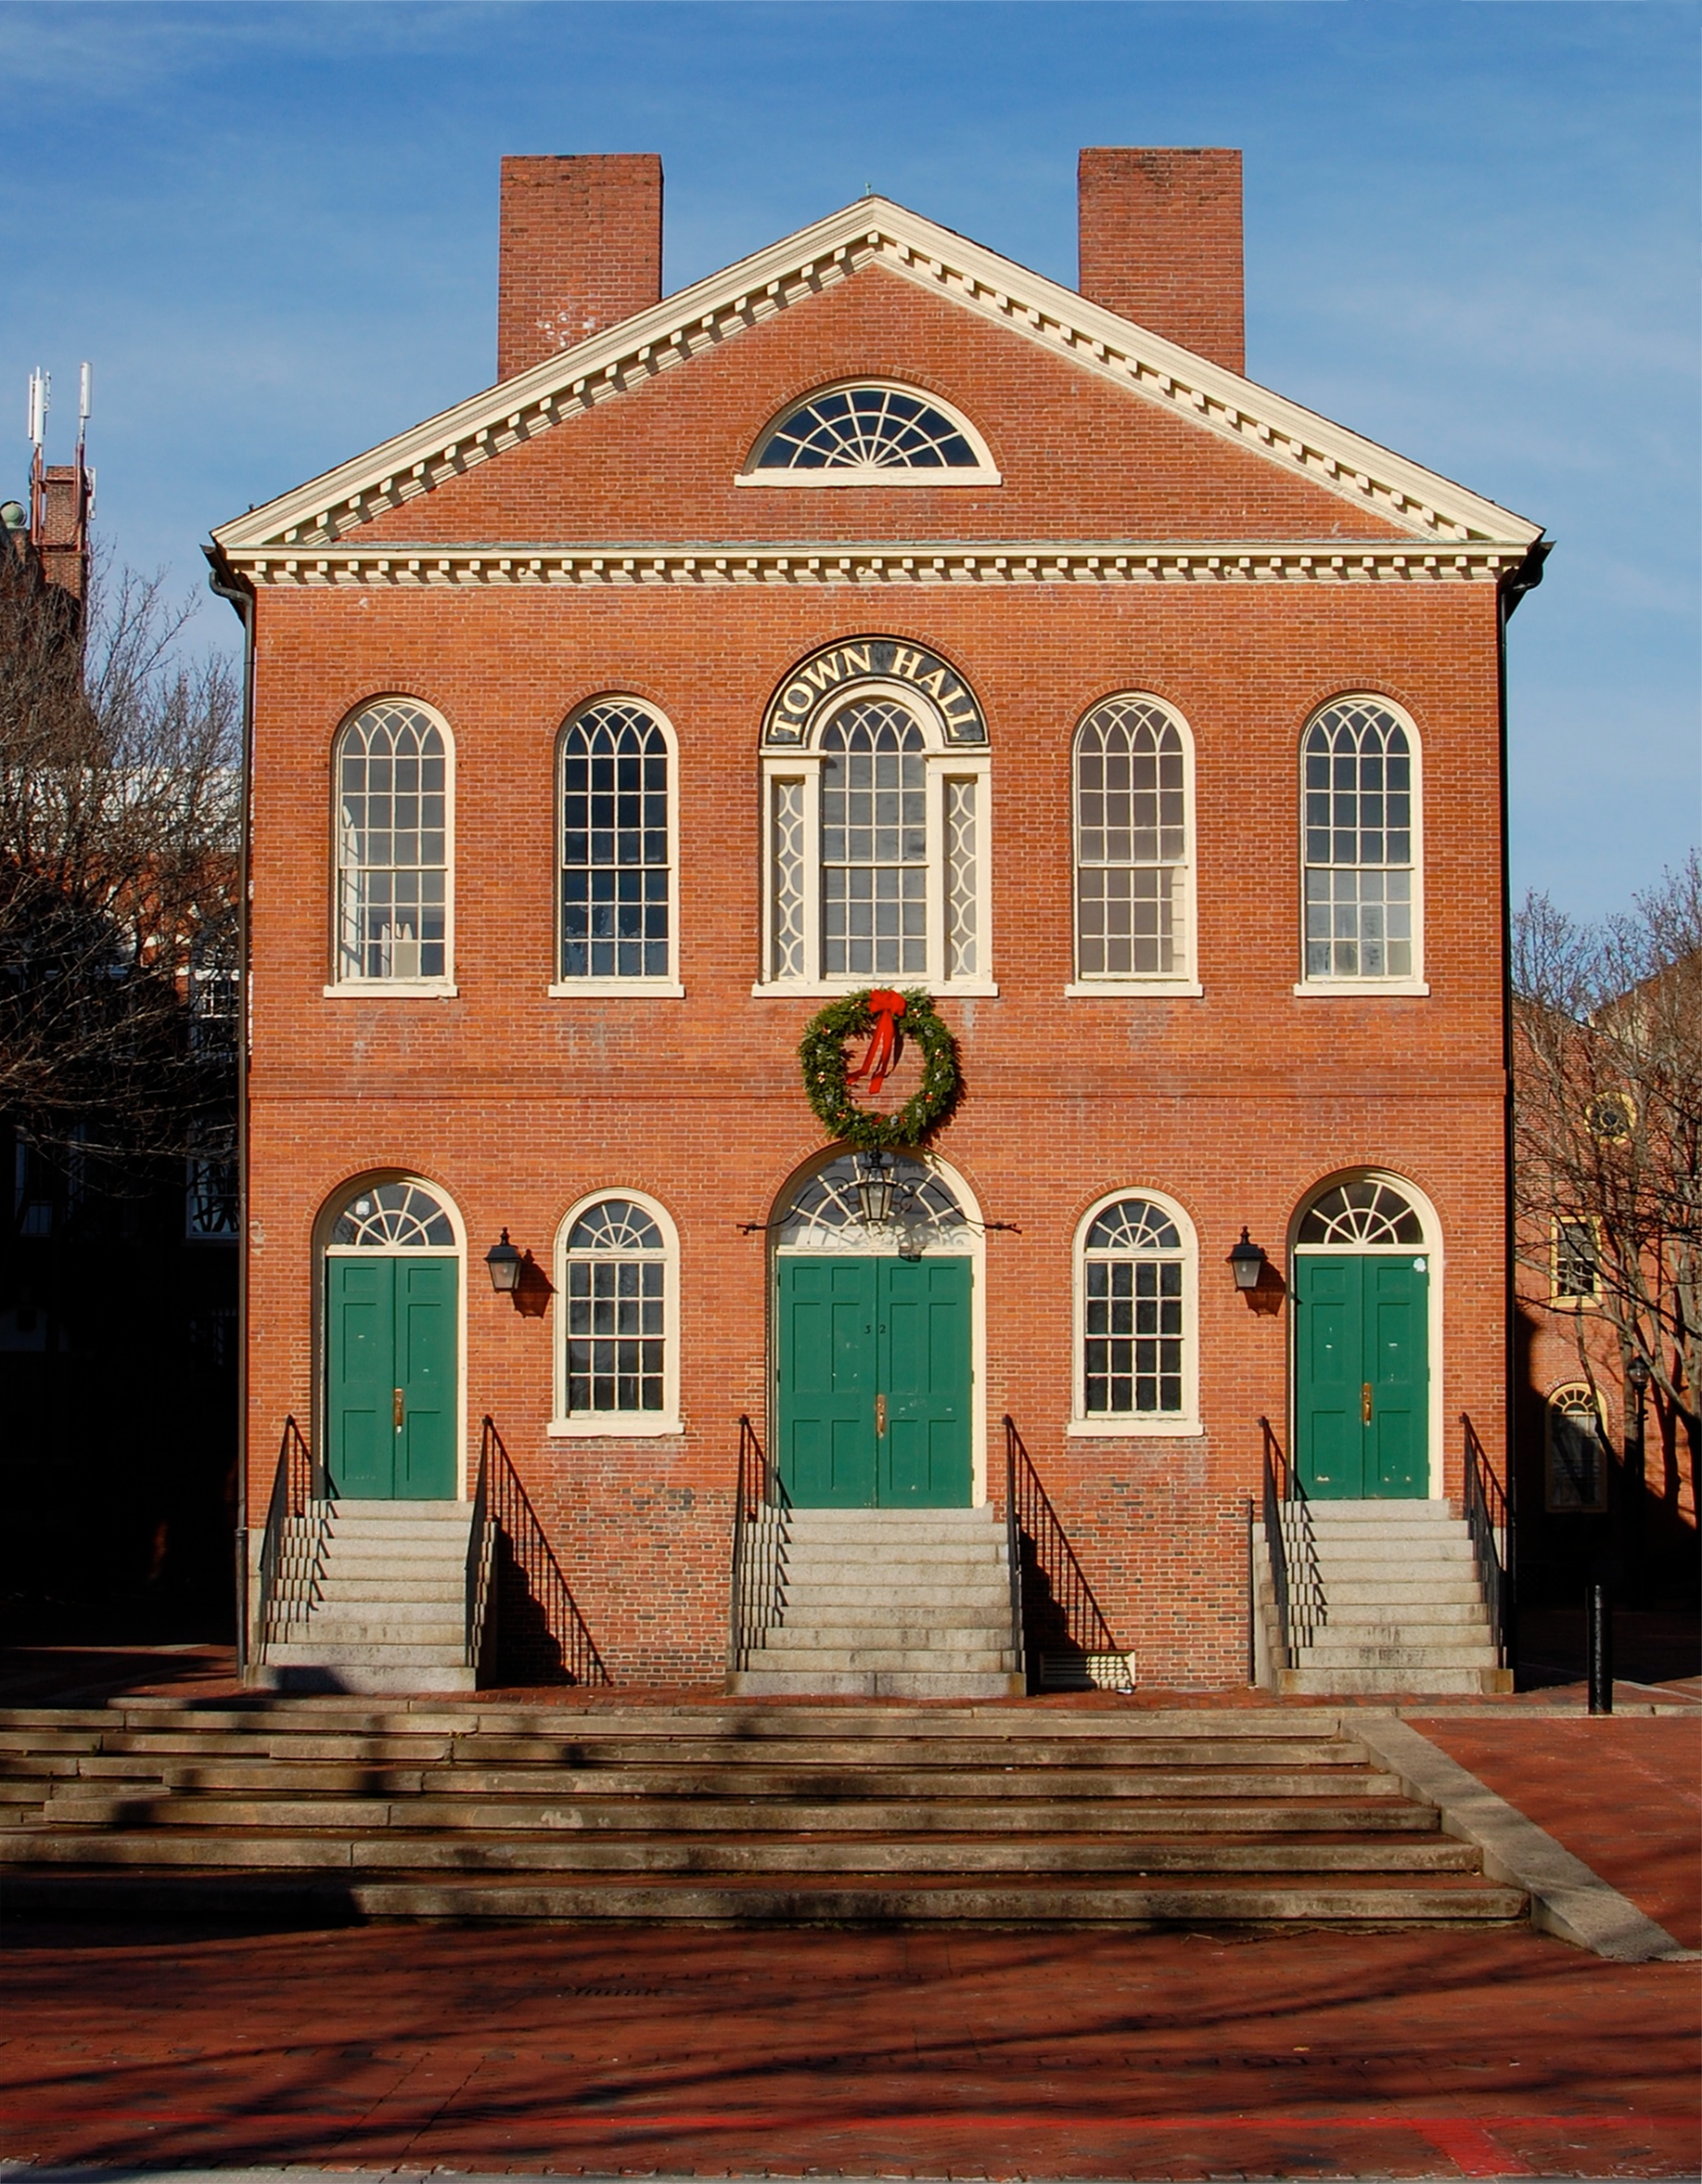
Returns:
<point x="1361" y="1216"/>
<point x="617" y="848"/>
<point x="620" y="1318"/>
<point x="1577" y="1451"/>
<point x="876" y="852"/>
<point x="870" y="434"/>
<point x="393" y="848"/>
<point x="1359" y="828"/>
<point x="1136" y="1366"/>
<point x="399" y="1217"/>
<point x="1133" y="849"/>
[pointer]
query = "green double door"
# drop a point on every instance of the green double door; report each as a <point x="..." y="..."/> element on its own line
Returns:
<point x="1362" y="1339"/>
<point x="390" y="1395"/>
<point x="873" y="1360"/>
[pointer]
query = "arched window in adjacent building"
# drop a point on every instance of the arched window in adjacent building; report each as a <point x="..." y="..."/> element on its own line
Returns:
<point x="1360" y="817"/>
<point x="1577" y="1451"/>
<point x="1132" y="846"/>
<point x="870" y="434"/>
<point x="876" y="852"/>
<point x="394" y="823"/>
<point x="619" y="1281"/>
<point x="1135" y="1315"/>
<point x="617" y="837"/>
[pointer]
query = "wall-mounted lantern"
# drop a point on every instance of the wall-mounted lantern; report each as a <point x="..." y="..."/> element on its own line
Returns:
<point x="874" y="1188"/>
<point x="504" y="1260"/>
<point x="1248" y="1260"/>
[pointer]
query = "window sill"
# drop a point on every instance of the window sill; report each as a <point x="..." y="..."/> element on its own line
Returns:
<point x="393" y="989"/>
<point x="1361" y="989"/>
<point x="1134" y="989"/>
<point x="657" y="989"/>
<point x="1133" y="1428"/>
<point x="815" y="989"/>
<point x="621" y="1425"/>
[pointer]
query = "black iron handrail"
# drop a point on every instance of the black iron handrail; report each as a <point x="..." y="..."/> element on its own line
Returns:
<point x="1056" y="1612"/>
<point x="1490" y="1524"/>
<point x="530" y="1621"/>
<point x="480" y="1560"/>
<point x="759" y="1507"/>
<point x="1288" y="1541"/>
<point x="297" y="1483"/>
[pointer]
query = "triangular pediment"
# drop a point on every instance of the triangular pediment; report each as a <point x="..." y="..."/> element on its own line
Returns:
<point x="1412" y="502"/>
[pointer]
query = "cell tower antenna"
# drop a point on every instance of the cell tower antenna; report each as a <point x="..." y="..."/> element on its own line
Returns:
<point x="85" y="398"/>
<point x="40" y="383"/>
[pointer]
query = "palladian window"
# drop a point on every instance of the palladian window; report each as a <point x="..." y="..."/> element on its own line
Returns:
<point x="870" y="436"/>
<point x="1359" y="824"/>
<point x="393" y="848"/>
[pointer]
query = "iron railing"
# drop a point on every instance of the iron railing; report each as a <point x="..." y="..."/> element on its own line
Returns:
<point x="1296" y="1579"/>
<point x="292" y="1547"/>
<point x="1490" y="1524"/>
<point x="760" y="1505"/>
<point x="1064" y="1636"/>
<point x="528" y="1626"/>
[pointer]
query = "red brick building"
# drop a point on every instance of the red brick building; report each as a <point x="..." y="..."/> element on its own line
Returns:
<point x="879" y="614"/>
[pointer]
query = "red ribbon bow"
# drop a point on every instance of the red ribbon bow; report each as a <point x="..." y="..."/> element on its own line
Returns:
<point x="885" y="1045"/>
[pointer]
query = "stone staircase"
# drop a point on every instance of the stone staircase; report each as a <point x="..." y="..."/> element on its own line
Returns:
<point x="889" y="1603"/>
<point x="372" y="1599"/>
<point x="1387" y="1599"/>
<point x="331" y="1811"/>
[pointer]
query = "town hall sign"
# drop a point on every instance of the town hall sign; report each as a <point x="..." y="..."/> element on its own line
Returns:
<point x="812" y="687"/>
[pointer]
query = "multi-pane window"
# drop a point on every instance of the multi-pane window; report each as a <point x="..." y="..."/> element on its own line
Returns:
<point x="211" y="1207"/>
<point x="877" y="854"/>
<point x="1577" y="1468"/>
<point x="616" y="855"/>
<point x="870" y="436"/>
<point x="617" y="1298"/>
<point x="392" y="845"/>
<point x="1358" y="823"/>
<point x="1132" y="843"/>
<point x="1576" y="1272"/>
<point x="1133" y="1271"/>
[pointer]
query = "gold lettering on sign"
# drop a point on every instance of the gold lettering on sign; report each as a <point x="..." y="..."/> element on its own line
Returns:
<point x="905" y="662"/>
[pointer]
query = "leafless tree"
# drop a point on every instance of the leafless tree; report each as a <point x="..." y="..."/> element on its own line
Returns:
<point x="1607" y="1072"/>
<point x="117" y="873"/>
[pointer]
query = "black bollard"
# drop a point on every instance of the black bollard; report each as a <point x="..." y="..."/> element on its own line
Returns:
<point x="1599" y="1638"/>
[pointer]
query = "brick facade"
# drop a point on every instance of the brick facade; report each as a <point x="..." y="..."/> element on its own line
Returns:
<point x="1236" y="1104"/>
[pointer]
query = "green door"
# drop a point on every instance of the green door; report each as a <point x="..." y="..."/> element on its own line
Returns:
<point x="874" y="1381"/>
<point x="391" y="1377"/>
<point x="1362" y="1377"/>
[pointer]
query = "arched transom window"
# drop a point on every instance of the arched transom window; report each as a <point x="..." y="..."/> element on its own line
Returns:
<point x="1133" y="911"/>
<point x="393" y="1217"/>
<point x="828" y="1211"/>
<point x="1576" y="1470"/>
<point x="617" y="846"/>
<point x="617" y="1319"/>
<point x="1134" y="1314"/>
<point x="870" y="436"/>
<point x="1358" y="823"/>
<point x="392" y="847"/>
<point x="876" y="861"/>
<point x="1361" y="1216"/>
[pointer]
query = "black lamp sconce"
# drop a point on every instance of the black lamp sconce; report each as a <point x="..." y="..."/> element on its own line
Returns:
<point x="1248" y="1260"/>
<point x="504" y="1262"/>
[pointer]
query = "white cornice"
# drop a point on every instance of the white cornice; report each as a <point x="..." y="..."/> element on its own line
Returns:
<point x="929" y="563"/>
<point x="874" y="231"/>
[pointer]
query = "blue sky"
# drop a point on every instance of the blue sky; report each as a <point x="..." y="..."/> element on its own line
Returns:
<point x="1472" y="234"/>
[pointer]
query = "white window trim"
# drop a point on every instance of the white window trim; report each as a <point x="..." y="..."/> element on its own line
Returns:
<point x="664" y="988"/>
<point x="986" y="472"/>
<point x="943" y="763"/>
<point x="1559" y="1300"/>
<point x="1181" y="1425"/>
<point x="621" y="1425"/>
<point x="1333" y="989"/>
<point x="1185" y="981"/>
<point x="342" y="988"/>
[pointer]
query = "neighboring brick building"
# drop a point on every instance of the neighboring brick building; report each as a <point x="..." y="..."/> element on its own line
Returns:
<point x="889" y="578"/>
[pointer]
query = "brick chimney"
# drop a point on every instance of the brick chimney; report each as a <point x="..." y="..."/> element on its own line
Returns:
<point x="580" y="250"/>
<point x="1160" y="243"/>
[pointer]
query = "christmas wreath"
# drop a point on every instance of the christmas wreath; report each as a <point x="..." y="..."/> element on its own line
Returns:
<point x="886" y="1020"/>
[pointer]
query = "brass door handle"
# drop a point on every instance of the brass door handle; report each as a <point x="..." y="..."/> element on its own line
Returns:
<point x="880" y="1418"/>
<point x="1364" y="1404"/>
<point x="396" y="1407"/>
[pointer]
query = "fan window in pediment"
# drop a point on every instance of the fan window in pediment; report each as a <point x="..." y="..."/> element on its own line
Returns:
<point x="871" y="435"/>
